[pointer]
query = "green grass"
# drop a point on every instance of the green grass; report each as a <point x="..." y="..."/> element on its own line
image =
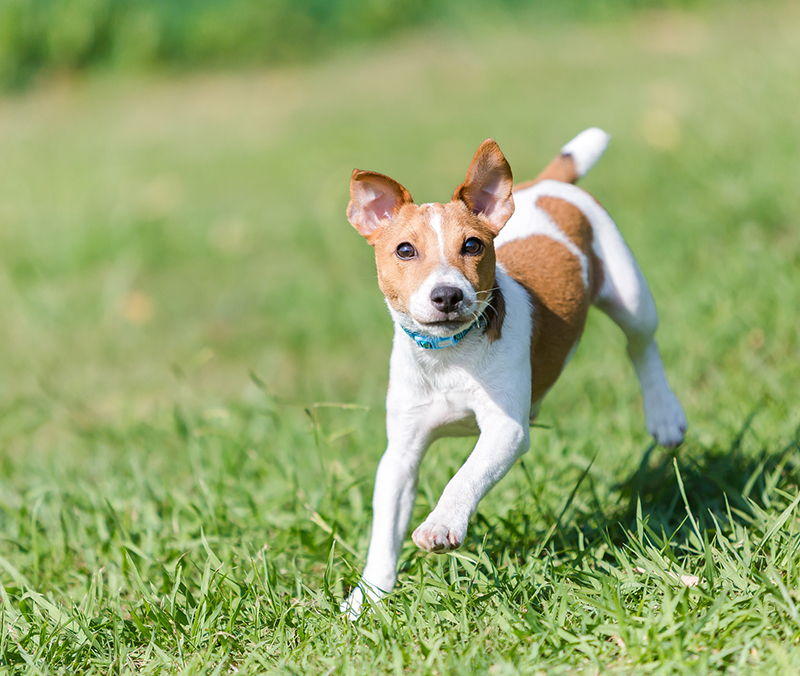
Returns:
<point x="194" y="357"/>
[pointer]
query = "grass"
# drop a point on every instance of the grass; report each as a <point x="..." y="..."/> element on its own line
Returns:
<point x="194" y="360"/>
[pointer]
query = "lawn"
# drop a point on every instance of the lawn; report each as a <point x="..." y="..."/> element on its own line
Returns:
<point x="193" y="360"/>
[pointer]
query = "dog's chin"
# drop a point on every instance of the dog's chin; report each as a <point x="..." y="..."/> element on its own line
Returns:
<point x="444" y="328"/>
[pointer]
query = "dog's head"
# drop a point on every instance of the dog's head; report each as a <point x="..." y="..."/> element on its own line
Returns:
<point x="436" y="262"/>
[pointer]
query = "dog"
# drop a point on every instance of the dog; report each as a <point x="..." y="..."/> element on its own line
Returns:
<point x="489" y="295"/>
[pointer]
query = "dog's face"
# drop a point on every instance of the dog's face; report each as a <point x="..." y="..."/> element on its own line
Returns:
<point x="436" y="262"/>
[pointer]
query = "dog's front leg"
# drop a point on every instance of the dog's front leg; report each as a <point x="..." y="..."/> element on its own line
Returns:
<point x="392" y="504"/>
<point x="502" y="440"/>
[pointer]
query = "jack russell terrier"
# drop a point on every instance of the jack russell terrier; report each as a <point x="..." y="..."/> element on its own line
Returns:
<point x="489" y="295"/>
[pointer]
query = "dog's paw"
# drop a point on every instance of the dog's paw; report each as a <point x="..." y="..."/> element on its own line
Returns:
<point x="351" y="607"/>
<point x="361" y="597"/>
<point x="438" y="537"/>
<point x="666" y="420"/>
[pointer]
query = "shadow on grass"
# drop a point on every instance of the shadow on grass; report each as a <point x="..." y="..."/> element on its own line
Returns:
<point x="723" y="481"/>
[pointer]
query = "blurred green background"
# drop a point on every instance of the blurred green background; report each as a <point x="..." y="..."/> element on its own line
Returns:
<point x="159" y="222"/>
<point x="179" y="284"/>
<point x="36" y="35"/>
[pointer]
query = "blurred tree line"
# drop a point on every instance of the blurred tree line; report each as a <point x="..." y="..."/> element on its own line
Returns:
<point x="37" y="35"/>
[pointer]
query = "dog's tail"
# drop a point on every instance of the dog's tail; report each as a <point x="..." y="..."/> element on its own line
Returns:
<point x="576" y="158"/>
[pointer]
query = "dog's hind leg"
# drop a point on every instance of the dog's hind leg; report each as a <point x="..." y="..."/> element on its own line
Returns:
<point x="625" y="297"/>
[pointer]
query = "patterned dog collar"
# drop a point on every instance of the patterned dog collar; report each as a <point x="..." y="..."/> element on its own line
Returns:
<point x="436" y="343"/>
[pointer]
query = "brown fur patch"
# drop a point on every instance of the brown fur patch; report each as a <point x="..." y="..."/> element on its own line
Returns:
<point x="495" y="314"/>
<point x="399" y="278"/>
<point x="552" y="277"/>
<point x="573" y="223"/>
<point x="562" y="168"/>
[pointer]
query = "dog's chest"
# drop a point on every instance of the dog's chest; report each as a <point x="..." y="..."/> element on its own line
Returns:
<point x="452" y="413"/>
<point x="439" y="390"/>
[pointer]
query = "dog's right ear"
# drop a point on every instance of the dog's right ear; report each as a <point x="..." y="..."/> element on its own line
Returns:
<point x="487" y="189"/>
<point x="374" y="200"/>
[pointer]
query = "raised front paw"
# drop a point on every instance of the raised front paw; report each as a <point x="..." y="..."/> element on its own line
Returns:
<point x="438" y="537"/>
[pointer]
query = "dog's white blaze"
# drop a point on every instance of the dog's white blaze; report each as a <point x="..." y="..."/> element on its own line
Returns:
<point x="420" y="304"/>
<point x="528" y="220"/>
<point x="435" y="221"/>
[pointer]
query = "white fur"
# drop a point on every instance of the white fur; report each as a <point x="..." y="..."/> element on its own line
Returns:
<point x="586" y="148"/>
<point x="435" y="223"/>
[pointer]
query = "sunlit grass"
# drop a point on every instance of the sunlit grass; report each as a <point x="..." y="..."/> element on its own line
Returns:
<point x="180" y="293"/>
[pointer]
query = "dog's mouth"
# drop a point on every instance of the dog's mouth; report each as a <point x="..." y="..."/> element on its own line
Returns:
<point x="450" y="325"/>
<point x="433" y="322"/>
<point x="453" y="325"/>
<point x="446" y="324"/>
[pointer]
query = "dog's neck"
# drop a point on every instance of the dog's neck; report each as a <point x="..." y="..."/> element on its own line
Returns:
<point x="436" y="343"/>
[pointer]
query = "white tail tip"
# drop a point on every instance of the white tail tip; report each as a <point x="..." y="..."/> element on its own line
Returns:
<point x="586" y="148"/>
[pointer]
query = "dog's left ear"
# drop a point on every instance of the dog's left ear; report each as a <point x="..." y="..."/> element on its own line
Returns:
<point x="374" y="200"/>
<point x="487" y="189"/>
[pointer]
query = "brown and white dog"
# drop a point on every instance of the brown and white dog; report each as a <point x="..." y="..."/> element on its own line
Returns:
<point x="489" y="295"/>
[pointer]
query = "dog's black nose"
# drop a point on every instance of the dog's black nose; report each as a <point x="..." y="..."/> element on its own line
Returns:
<point x="446" y="298"/>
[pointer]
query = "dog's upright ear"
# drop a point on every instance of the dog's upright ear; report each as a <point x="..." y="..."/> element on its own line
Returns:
<point x="487" y="189"/>
<point x="374" y="199"/>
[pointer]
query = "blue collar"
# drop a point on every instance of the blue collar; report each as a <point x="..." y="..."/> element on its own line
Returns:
<point x="436" y="343"/>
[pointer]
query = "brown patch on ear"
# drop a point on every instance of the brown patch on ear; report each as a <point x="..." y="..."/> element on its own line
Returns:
<point x="495" y="314"/>
<point x="374" y="200"/>
<point x="487" y="188"/>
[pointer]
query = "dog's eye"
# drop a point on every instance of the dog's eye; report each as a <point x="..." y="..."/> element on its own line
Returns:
<point x="473" y="246"/>
<point x="405" y="251"/>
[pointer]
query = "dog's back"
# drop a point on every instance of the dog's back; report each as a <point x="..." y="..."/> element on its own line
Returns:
<point x="547" y="246"/>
